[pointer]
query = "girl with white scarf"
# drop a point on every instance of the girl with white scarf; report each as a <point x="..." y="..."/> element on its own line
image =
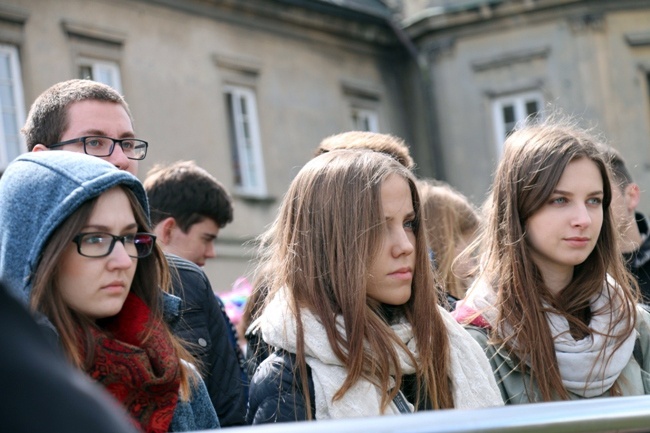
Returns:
<point x="352" y="309"/>
<point x="554" y="306"/>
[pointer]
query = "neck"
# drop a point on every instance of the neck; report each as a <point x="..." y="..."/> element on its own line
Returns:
<point x="557" y="281"/>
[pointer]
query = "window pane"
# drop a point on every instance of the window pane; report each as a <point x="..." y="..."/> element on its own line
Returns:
<point x="5" y="67"/>
<point x="85" y="72"/>
<point x="234" y="149"/>
<point x="509" y="114"/>
<point x="531" y="108"/>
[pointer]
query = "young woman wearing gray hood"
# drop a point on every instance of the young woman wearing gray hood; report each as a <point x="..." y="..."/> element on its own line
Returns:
<point x="76" y="245"/>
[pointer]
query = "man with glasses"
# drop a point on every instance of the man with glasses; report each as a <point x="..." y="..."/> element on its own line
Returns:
<point x="85" y="116"/>
<point x="90" y="117"/>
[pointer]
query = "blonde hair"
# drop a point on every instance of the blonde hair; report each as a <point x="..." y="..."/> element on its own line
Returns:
<point x="328" y="232"/>
<point x="449" y="218"/>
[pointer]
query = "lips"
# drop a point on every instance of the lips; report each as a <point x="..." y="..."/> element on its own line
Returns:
<point x="114" y="285"/>
<point x="578" y="241"/>
<point x="402" y="273"/>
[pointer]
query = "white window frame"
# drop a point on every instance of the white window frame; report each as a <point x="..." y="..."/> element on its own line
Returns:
<point x="249" y="148"/>
<point x="364" y="119"/>
<point x="14" y="109"/>
<point x="518" y="101"/>
<point x="103" y="71"/>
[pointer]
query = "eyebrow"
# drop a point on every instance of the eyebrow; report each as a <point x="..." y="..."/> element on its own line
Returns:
<point x="407" y="216"/>
<point x="559" y="191"/>
<point x="90" y="132"/>
<point x="102" y="228"/>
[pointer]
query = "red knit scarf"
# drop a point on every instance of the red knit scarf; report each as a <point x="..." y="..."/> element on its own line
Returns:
<point x="143" y="375"/>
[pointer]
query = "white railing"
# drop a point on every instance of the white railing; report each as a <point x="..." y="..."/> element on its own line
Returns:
<point x="620" y="414"/>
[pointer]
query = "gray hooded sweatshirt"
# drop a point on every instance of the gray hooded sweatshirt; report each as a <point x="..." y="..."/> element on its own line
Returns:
<point x="38" y="192"/>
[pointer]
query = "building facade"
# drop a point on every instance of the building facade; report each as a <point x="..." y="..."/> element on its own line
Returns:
<point x="247" y="89"/>
<point x="493" y="63"/>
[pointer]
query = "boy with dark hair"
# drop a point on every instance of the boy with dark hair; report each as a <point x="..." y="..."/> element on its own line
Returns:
<point x="188" y="208"/>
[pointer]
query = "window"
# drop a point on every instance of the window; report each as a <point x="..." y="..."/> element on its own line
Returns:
<point x="509" y="111"/>
<point x="12" y="112"/>
<point x="247" y="162"/>
<point x="364" y="120"/>
<point x="102" y="71"/>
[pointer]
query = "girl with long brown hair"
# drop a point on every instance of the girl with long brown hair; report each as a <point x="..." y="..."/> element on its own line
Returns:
<point x="553" y="305"/>
<point x="350" y="310"/>
<point x="77" y="246"/>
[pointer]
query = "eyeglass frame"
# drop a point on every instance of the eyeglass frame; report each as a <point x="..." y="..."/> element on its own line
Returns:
<point x="122" y="239"/>
<point x="115" y="141"/>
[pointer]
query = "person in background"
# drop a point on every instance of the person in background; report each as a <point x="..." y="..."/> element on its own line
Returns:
<point x="82" y="254"/>
<point x="451" y="224"/>
<point x="388" y="144"/>
<point x="553" y="305"/>
<point x="350" y="310"/>
<point x="85" y="116"/>
<point x="632" y="224"/>
<point x="188" y="208"/>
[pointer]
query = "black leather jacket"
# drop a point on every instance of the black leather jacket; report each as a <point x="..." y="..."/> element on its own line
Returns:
<point x="274" y="397"/>
<point x="205" y="328"/>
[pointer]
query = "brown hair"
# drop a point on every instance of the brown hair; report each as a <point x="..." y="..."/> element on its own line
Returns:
<point x="384" y="143"/>
<point x="533" y="162"/>
<point x="152" y="274"/>
<point x="328" y="232"/>
<point x="48" y="115"/>
<point x="449" y="217"/>
<point x="188" y="193"/>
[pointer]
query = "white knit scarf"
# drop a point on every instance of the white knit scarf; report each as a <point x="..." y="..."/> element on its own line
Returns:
<point x="588" y="367"/>
<point x="473" y="384"/>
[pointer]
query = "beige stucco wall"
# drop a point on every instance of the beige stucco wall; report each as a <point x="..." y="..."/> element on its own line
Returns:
<point x="173" y="75"/>
<point x="576" y="54"/>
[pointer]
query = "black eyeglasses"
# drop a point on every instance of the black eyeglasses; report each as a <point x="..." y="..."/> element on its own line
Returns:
<point x="97" y="145"/>
<point x="98" y="244"/>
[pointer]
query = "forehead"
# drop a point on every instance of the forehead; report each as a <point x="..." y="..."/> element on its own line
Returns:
<point x="396" y="196"/>
<point x="112" y="207"/>
<point x="97" y="117"/>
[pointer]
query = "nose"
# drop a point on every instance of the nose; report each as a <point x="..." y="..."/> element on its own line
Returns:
<point x="119" y="159"/>
<point x="210" y="252"/>
<point x="119" y="257"/>
<point x="402" y="244"/>
<point x="581" y="217"/>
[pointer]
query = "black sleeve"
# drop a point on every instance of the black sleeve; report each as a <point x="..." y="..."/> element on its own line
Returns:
<point x="273" y="395"/>
<point x="40" y="390"/>
<point x="204" y="327"/>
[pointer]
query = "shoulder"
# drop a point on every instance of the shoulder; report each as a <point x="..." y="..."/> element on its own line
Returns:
<point x="275" y="394"/>
<point x="197" y="413"/>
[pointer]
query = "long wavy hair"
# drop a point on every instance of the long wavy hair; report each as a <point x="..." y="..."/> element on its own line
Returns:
<point x="449" y="220"/>
<point x="151" y="278"/>
<point x="327" y="234"/>
<point x="535" y="158"/>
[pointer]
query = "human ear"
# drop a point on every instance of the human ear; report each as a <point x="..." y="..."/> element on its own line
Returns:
<point x="164" y="229"/>
<point x="632" y="197"/>
<point x="39" y="148"/>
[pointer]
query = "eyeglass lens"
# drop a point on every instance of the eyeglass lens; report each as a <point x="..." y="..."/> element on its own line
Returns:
<point x="137" y="245"/>
<point x="103" y="146"/>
